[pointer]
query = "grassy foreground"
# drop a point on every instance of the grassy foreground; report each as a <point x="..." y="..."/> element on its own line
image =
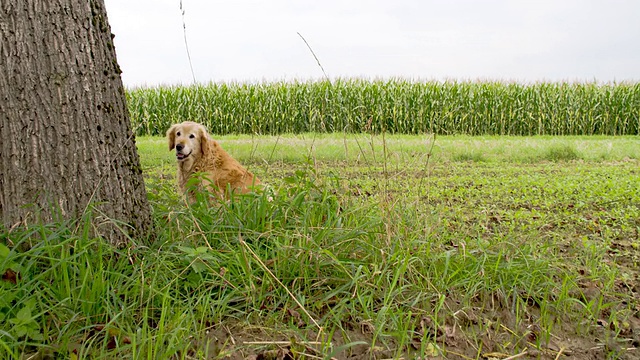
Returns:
<point x="371" y="247"/>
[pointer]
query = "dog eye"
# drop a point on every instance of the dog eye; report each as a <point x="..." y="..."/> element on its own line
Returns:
<point x="192" y="136"/>
<point x="178" y="133"/>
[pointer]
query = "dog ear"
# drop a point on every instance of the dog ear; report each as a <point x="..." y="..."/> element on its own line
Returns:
<point x="171" y="135"/>
<point x="205" y="141"/>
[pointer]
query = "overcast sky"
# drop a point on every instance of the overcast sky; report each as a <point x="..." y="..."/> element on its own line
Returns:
<point x="251" y="40"/>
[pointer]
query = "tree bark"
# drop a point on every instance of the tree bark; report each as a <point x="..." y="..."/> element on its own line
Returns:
<point x="66" y="140"/>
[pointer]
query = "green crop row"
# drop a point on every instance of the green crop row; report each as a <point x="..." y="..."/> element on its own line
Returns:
<point x="393" y="106"/>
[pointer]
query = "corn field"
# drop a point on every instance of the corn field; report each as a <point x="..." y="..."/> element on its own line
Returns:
<point x="392" y="106"/>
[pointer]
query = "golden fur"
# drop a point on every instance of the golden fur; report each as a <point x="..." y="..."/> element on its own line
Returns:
<point x="197" y="152"/>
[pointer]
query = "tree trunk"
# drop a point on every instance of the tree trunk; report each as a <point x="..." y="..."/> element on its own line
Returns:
<point x="66" y="140"/>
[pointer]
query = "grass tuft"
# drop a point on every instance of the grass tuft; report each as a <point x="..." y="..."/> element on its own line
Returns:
<point x="474" y="156"/>
<point x="562" y="153"/>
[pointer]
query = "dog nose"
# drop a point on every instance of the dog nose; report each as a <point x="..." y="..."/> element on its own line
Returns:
<point x="179" y="147"/>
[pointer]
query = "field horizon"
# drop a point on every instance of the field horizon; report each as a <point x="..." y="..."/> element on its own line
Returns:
<point x="392" y="106"/>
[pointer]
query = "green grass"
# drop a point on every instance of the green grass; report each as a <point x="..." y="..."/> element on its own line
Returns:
<point x="370" y="246"/>
<point x="406" y="149"/>
<point x="394" y="106"/>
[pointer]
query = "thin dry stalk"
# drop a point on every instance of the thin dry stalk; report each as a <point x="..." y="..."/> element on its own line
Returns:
<point x="265" y="268"/>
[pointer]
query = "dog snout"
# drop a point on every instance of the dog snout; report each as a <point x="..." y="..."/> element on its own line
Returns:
<point x="179" y="147"/>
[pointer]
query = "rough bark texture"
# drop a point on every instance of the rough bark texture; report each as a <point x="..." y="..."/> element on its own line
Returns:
<point x="66" y="139"/>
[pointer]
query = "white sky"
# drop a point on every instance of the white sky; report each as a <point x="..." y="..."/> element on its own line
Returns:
<point x="253" y="40"/>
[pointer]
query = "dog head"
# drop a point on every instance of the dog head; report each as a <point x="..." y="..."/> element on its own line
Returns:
<point x="190" y="140"/>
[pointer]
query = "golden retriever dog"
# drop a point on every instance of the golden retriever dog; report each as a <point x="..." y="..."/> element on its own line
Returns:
<point x="197" y="152"/>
